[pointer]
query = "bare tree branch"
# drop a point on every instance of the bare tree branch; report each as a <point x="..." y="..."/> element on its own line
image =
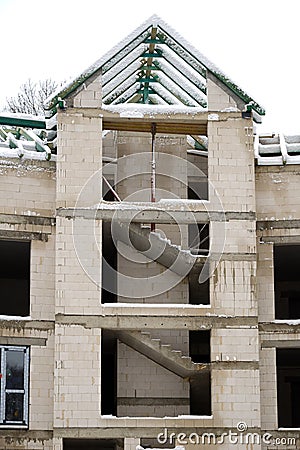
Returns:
<point x="31" y="97"/>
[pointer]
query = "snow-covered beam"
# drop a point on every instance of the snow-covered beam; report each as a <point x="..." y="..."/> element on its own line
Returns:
<point x="124" y="51"/>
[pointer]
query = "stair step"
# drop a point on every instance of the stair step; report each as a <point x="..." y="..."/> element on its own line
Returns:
<point x="162" y="354"/>
<point x="187" y="358"/>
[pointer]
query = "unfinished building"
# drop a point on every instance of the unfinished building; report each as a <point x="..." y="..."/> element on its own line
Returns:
<point x="149" y="247"/>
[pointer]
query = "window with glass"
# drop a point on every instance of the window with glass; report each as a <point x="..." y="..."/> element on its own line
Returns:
<point x="14" y="386"/>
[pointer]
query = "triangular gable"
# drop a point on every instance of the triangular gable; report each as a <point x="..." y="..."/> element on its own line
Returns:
<point x="154" y="65"/>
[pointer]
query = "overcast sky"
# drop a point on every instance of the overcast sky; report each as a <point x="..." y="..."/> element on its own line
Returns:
<point x="256" y="43"/>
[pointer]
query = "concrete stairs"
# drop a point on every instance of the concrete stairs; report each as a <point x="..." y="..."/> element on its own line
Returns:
<point x="162" y="354"/>
<point x="157" y="249"/>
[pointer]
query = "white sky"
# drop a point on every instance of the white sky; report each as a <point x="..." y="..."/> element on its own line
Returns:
<point x="255" y="42"/>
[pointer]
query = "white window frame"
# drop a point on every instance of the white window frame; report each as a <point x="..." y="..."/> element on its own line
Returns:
<point x="20" y="423"/>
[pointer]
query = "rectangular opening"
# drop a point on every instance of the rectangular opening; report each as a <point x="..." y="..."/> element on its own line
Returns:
<point x="109" y="256"/>
<point x="198" y="242"/>
<point x="198" y="236"/>
<point x="288" y="387"/>
<point x="199" y="344"/>
<point x="200" y="395"/>
<point x="198" y="292"/>
<point x="287" y="281"/>
<point x="200" y="385"/>
<point x="197" y="173"/>
<point x="15" y="278"/>
<point x="108" y="373"/>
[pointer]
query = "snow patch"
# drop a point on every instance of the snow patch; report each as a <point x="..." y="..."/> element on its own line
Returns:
<point x="288" y="321"/>
<point x="139" y="108"/>
<point x="213" y="117"/>
<point x="4" y="317"/>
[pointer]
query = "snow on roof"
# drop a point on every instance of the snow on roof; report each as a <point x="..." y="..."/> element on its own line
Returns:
<point x="154" y="41"/>
<point x="277" y="149"/>
<point x="138" y="110"/>
<point x="25" y="136"/>
<point x="11" y="115"/>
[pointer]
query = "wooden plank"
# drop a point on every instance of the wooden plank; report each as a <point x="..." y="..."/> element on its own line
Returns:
<point x="161" y="127"/>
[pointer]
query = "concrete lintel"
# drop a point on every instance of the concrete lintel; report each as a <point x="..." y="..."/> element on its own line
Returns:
<point x="7" y="340"/>
<point x="150" y="401"/>
<point x="198" y="117"/>
<point x="142" y="322"/>
<point x="279" y="327"/>
<point x="280" y="239"/>
<point x="25" y="435"/>
<point x="24" y="235"/>
<point x="24" y="219"/>
<point x="286" y="343"/>
<point x="272" y="224"/>
<point x="41" y="325"/>
<point x="147" y="213"/>
<point x="234" y="365"/>
<point x="238" y="257"/>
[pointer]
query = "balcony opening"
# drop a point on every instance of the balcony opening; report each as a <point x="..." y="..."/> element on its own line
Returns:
<point x="108" y="373"/>
<point x="199" y="343"/>
<point x="15" y="278"/>
<point x="200" y="395"/>
<point x="197" y="174"/>
<point x="288" y="387"/>
<point x="198" y="242"/>
<point x="109" y="256"/>
<point x="198" y="292"/>
<point x="287" y="281"/>
<point x="200" y="384"/>
<point x="198" y="235"/>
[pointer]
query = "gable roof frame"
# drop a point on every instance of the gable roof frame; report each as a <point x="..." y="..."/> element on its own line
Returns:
<point x="131" y="46"/>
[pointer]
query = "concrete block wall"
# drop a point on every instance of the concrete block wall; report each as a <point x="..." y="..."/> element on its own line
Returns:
<point x="41" y="405"/>
<point x="171" y="177"/>
<point x="42" y="279"/>
<point x="234" y="344"/>
<point x="277" y="192"/>
<point x="276" y="199"/>
<point x="78" y="267"/>
<point x="233" y="288"/>
<point x="217" y="98"/>
<point x="142" y="384"/>
<point x="79" y="156"/>
<point x="265" y="282"/>
<point x="235" y="397"/>
<point x="109" y="143"/>
<point x="27" y="186"/>
<point x="235" y="392"/>
<point x="89" y="95"/>
<point x="78" y="261"/>
<point x="77" y="392"/>
<point x="268" y="389"/>
<point x="231" y="163"/>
